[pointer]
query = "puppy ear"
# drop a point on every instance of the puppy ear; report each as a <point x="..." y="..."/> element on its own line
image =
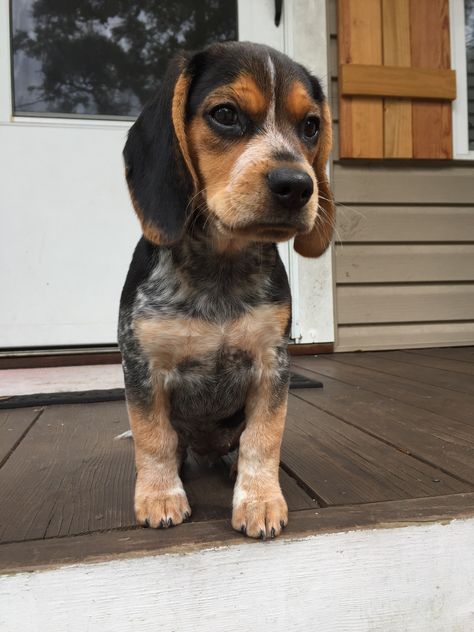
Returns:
<point x="314" y="243"/>
<point x="160" y="175"/>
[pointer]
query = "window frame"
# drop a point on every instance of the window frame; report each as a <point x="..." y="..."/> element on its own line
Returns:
<point x="461" y="149"/>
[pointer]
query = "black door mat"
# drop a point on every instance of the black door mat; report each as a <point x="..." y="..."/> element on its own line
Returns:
<point x="300" y="381"/>
<point x="109" y="395"/>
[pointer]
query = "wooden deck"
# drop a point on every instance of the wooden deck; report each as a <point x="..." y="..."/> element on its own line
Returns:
<point x="389" y="439"/>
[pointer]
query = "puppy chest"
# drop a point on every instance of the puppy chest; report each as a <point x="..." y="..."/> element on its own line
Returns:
<point x="178" y="341"/>
<point x="212" y="387"/>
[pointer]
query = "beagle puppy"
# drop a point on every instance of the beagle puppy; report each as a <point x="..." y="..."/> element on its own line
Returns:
<point x="227" y="159"/>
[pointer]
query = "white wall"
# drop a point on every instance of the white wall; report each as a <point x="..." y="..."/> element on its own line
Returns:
<point x="419" y="578"/>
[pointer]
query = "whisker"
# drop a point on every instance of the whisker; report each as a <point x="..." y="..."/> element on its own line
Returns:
<point x="350" y="208"/>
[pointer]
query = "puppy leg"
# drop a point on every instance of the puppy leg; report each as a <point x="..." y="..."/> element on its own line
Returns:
<point x="259" y="509"/>
<point x="160" y="499"/>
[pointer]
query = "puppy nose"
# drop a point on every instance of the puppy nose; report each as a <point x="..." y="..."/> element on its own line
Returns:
<point x="291" y="188"/>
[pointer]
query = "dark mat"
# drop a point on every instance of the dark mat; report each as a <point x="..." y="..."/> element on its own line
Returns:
<point x="110" y="395"/>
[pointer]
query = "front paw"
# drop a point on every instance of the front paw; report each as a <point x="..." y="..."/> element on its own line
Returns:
<point x="160" y="507"/>
<point x="260" y="517"/>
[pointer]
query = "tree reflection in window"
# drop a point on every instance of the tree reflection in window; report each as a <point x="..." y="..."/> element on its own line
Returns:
<point x="105" y="57"/>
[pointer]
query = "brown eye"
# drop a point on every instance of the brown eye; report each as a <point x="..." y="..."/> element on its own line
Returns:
<point x="311" y="127"/>
<point x="225" y="115"/>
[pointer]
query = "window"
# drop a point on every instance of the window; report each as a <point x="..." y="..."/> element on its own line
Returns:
<point x="93" y="58"/>
<point x="462" y="43"/>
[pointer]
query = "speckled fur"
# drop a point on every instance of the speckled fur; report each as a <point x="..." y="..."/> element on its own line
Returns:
<point x="205" y="312"/>
<point x="207" y="394"/>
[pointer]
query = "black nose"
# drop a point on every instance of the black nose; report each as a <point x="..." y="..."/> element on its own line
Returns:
<point x="292" y="188"/>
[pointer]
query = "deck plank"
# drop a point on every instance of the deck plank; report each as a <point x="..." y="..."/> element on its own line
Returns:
<point x="461" y="354"/>
<point x="415" y="373"/>
<point x="113" y="545"/>
<point x="13" y="426"/>
<point x="452" y="405"/>
<point x="433" y="362"/>
<point x="442" y="442"/>
<point x="344" y="465"/>
<point x="74" y="478"/>
<point x="68" y="476"/>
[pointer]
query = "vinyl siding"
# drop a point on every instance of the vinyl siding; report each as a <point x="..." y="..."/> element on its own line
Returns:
<point x="404" y="246"/>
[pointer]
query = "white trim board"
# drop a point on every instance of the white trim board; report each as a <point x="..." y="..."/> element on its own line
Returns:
<point x="458" y="63"/>
<point x="418" y="578"/>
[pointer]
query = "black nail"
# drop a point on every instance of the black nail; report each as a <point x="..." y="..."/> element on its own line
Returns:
<point x="282" y="524"/>
<point x="170" y="522"/>
<point x="146" y="524"/>
<point x="162" y="524"/>
<point x="272" y="532"/>
<point x="187" y="515"/>
<point x="262" y="534"/>
<point x="243" y="529"/>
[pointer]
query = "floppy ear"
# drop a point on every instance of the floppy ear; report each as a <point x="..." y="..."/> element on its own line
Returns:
<point x="314" y="243"/>
<point x="160" y="175"/>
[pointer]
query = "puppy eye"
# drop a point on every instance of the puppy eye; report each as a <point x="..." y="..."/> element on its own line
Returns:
<point x="225" y="115"/>
<point x="311" y="127"/>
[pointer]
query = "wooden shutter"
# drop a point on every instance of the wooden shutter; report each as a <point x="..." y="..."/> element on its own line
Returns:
<point x="396" y="85"/>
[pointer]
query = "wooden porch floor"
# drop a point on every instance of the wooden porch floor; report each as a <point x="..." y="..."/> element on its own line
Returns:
<point x="389" y="439"/>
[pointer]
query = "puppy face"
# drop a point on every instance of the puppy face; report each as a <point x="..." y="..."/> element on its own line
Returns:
<point x="254" y="131"/>
<point x="240" y="133"/>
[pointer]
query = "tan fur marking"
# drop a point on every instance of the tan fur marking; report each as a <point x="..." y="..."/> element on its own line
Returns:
<point x="240" y="201"/>
<point x="249" y="95"/>
<point x="258" y="332"/>
<point x="178" y="114"/>
<point x="245" y="92"/>
<point x="159" y="493"/>
<point x="251" y="187"/>
<point x="214" y="166"/>
<point x="259" y="507"/>
<point x="298" y="102"/>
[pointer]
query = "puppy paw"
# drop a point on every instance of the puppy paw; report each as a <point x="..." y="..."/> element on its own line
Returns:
<point x="260" y="517"/>
<point x="161" y="508"/>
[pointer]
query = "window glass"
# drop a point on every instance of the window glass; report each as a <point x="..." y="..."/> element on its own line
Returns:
<point x="105" y="57"/>
<point x="469" y="22"/>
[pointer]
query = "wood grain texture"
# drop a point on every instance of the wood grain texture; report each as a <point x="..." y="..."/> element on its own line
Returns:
<point x="14" y="424"/>
<point x="404" y="184"/>
<point x="391" y="364"/>
<point x="398" y="141"/>
<point x="194" y="536"/>
<point x="342" y="464"/>
<point x="462" y="354"/>
<point x="404" y="336"/>
<point x="74" y="478"/>
<point x="450" y="405"/>
<point x="394" y="81"/>
<point x="364" y="304"/>
<point x="404" y="224"/>
<point x="360" y="42"/>
<point x="68" y="475"/>
<point x="383" y="409"/>
<point x="430" y="48"/>
<point x="431" y="361"/>
<point x="405" y="263"/>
